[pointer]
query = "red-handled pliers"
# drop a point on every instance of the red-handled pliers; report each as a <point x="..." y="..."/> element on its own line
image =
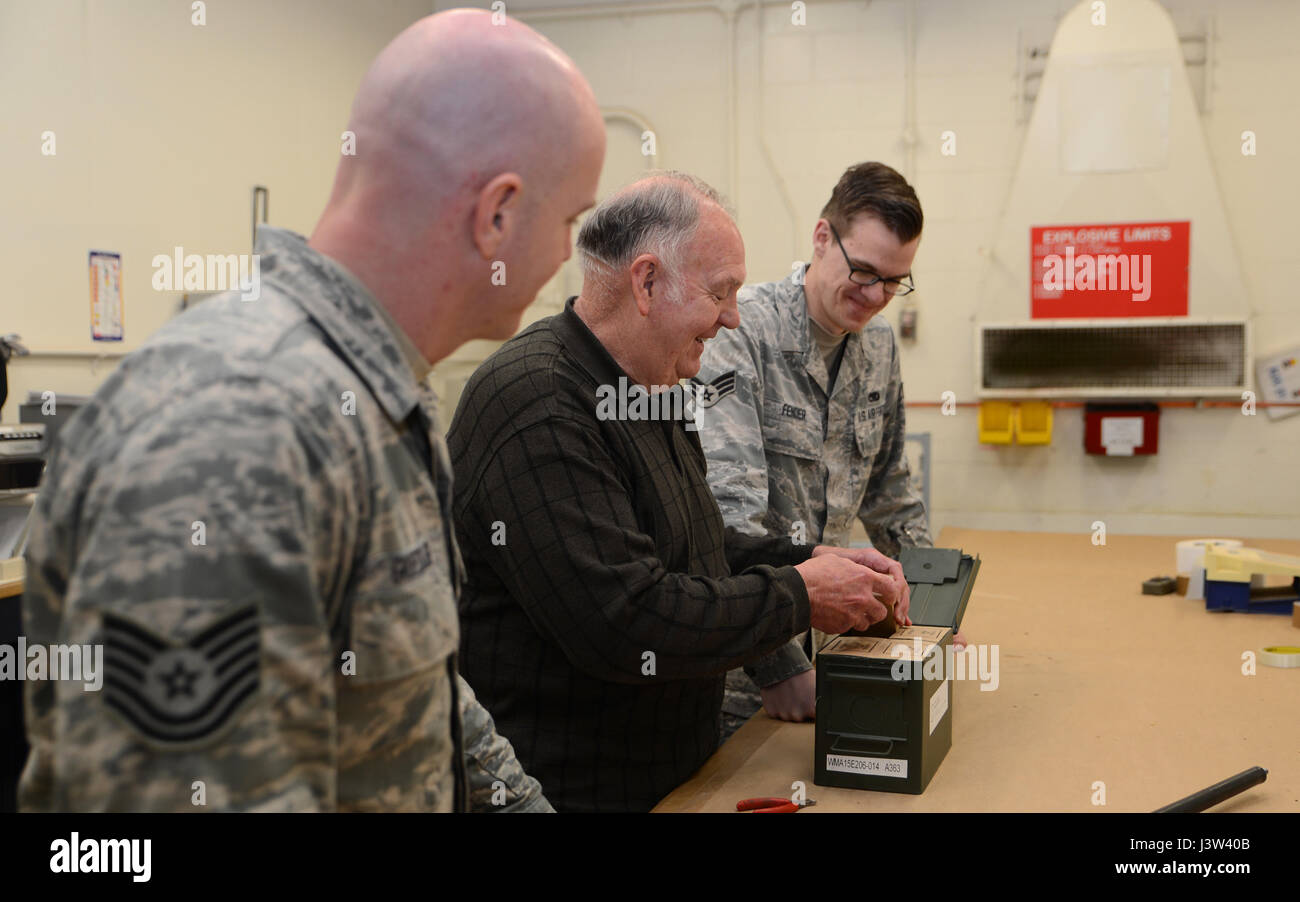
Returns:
<point x="774" y="805"/>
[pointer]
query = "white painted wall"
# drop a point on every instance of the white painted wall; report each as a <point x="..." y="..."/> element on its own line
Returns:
<point x="835" y="91"/>
<point x="161" y="128"/>
<point x="164" y="128"/>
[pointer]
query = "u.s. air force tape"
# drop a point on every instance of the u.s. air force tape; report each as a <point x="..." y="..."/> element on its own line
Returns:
<point x="1280" y="656"/>
<point x="176" y="693"/>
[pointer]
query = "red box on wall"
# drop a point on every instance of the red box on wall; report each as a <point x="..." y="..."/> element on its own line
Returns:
<point x="1121" y="430"/>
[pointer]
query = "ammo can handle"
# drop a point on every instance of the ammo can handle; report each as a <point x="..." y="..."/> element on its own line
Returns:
<point x="886" y="741"/>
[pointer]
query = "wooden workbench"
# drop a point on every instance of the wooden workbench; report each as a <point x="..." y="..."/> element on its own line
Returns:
<point x="11" y="577"/>
<point x="1098" y="682"/>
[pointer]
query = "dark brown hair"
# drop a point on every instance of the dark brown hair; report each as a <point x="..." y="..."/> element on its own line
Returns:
<point x="876" y="190"/>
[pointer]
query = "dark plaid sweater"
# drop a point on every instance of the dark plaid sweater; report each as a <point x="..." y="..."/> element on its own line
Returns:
<point x="601" y="612"/>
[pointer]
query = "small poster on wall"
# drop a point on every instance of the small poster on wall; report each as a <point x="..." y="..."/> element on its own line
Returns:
<point x="1278" y="378"/>
<point x="105" y="296"/>
<point x="1108" y="269"/>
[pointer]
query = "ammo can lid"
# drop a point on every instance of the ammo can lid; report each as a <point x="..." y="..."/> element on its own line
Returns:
<point x="941" y="580"/>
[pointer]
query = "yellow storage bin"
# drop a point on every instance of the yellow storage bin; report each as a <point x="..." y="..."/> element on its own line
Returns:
<point x="996" y="422"/>
<point x="1033" y="422"/>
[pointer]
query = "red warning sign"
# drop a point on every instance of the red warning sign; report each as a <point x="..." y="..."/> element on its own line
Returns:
<point x="1125" y="269"/>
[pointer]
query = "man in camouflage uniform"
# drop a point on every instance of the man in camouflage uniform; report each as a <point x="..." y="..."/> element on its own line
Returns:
<point x="807" y="434"/>
<point x="252" y="515"/>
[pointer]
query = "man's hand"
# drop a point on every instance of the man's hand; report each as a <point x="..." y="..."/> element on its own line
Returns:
<point x="870" y="557"/>
<point x="794" y="699"/>
<point x="842" y="594"/>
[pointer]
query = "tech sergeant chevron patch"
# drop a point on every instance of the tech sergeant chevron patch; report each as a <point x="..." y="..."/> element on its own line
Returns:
<point x="174" y="694"/>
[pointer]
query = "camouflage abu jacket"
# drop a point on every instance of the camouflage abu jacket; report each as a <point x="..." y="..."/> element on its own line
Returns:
<point x="786" y="459"/>
<point x="251" y="517"/>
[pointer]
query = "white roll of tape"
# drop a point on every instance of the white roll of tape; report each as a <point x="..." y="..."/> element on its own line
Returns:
<point x="1280" y="656"/>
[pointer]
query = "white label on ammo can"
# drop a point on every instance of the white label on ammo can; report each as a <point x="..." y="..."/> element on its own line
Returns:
<point x="939" y="704"/>
<point x="876" y="767"/>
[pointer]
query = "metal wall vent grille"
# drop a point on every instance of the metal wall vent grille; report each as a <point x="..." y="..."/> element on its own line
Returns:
<point x="1108" y="358"/>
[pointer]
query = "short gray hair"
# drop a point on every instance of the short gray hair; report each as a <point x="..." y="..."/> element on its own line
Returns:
<point x="658" y="214"/>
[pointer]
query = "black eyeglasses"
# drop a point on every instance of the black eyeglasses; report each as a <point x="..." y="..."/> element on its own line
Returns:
<point x="893" y="287"/>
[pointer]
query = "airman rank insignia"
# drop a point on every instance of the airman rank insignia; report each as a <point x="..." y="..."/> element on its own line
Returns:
<point x="710" y="393"/>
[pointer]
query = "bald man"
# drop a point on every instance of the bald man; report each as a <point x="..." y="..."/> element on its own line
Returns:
<point x="606" y="600"/>
<point x="252" y="516"/>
